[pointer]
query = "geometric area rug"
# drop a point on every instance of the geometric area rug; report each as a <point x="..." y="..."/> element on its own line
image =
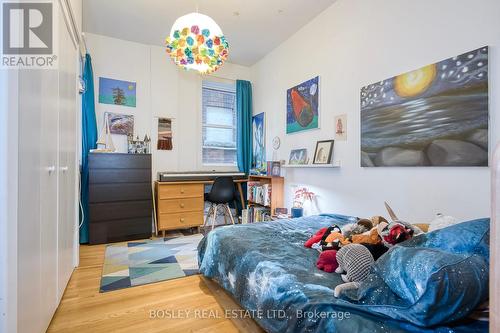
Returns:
<point x="137" y="263"/>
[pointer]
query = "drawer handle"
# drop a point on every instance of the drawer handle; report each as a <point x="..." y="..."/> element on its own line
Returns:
<point x="182" y="219"/>
<point x="181" y="205"/>
<point x="182" y="191"/>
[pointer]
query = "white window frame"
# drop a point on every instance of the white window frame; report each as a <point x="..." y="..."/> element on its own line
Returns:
<point x="222" y="86"/>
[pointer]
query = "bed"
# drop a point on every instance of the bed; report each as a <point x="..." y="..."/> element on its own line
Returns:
<point x="430" y="283"/>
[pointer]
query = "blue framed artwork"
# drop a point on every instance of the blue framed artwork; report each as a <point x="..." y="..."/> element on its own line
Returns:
<point x="302" y="106"/>
<point x="117" y="92"/>
<point x="436" y="115"/>
<point x="259" y="150"/>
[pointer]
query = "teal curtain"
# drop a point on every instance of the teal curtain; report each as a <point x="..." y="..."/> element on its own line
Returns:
<point x="89" y="139"/>
<point x="244" y="116"/>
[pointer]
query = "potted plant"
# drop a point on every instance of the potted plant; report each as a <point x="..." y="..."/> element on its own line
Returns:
<point x="301" y="196"/>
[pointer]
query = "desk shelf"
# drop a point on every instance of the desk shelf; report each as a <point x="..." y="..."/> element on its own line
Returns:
<point x="277" y="191"/>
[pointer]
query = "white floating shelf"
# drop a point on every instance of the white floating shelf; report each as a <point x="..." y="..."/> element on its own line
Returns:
<point x="335" y="164"/>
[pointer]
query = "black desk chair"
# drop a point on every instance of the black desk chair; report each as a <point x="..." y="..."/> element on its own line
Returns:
<point x="220" y="195"/>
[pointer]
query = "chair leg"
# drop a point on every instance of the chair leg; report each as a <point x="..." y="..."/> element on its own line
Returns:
<point x="225" y="216"/>
<point x="208" y="214"/>
<point x="229" y="212"/>
<point x="214" y="217"/>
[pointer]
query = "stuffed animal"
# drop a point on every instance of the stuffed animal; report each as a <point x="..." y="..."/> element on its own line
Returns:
<point x="369" y="237"/>
<point x="393" y="233"/>
<point x="331" y="238"/>
<point x="334" y="240"/>
<point x="355" y="261"/>
<point x="316" y="237"/>
<point x="377" y="219"/>
<point x="363" y="225"/>
<point x="327" y="261"/>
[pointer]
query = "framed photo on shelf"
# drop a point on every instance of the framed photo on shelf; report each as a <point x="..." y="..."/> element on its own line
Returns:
<point x="323" y="152"/>
<point x="298" y="157"/>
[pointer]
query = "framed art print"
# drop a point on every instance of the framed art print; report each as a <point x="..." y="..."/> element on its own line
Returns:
<point x="302" y="106"/>
<point x="298" y="157"/>
<point x="323" y="152"/>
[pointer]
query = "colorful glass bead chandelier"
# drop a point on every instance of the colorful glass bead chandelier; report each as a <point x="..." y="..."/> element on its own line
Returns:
<point x="196" y="43"/>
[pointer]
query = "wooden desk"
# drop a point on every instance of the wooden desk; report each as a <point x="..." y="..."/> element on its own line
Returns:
<point x="180" y="204"/>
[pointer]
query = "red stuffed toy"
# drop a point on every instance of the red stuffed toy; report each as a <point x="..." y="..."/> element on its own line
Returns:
<point x="397" y="234"/>
<point x="327" y="261"/>
<point x="316" y="237"/>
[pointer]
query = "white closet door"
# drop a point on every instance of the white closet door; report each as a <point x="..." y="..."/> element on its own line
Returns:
<point x="48" y="194"/>
<point x="67" y="146"/>
<point x="31" y="170"/>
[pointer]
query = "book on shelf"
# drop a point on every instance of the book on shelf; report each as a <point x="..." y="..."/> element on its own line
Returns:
<point x="259" y="193"/>
<point x="256" y="214"/>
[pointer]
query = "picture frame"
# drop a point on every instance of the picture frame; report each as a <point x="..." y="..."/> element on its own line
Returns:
<point x="258" y="141"/>
<point x="298" y="157"/>
<point x="323" y="152"/>
<point x="302" y="106"/>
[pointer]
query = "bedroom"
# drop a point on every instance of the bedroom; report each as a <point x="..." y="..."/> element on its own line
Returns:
<point x="312" y="108"/>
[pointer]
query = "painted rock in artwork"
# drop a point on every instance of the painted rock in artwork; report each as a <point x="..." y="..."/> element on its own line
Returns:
<point x="456" y="153"/>
<point x="479" y="137"/>
<point x="366" y="161"/>
<point x="302" y="110"/>
<point x="393" y="156"/>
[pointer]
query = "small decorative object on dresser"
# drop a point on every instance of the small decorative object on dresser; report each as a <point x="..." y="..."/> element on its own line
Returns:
<point x="137" y="146"/>
<point x="323" y="152"/>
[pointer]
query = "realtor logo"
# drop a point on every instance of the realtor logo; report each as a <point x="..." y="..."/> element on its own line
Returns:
<point x="28" y="35"/>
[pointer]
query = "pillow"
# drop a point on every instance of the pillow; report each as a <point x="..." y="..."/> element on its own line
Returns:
<point x="431" y="279"/>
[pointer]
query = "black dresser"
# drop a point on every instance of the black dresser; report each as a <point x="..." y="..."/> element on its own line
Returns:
<point x="120" y="197"/>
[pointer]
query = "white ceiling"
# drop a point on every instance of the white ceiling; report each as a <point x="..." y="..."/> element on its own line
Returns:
<point x="252" y="27"/>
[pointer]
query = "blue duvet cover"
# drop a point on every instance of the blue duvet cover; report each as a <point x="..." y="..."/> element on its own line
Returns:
<point x="267" y="269"/>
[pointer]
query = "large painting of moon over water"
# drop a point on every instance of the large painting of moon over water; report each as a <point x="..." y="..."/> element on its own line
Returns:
<point x="436" y="115"/>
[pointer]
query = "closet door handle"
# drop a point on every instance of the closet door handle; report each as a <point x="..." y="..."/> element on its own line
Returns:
<point x="50" y="169"/>
<point x="64" y="169"/>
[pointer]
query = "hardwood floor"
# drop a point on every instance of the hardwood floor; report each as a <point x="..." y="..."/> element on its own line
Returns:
<point x="84" y="309"/>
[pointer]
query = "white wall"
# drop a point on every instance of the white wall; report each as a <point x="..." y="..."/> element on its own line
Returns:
<point x="163" y="90"/>
<point x="357" y="42"/>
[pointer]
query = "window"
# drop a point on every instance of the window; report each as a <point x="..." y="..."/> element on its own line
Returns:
<point x="219" y="123"/>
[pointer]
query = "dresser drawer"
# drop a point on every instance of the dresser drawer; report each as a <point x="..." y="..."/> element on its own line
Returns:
<point x="113" y="176"/>
<point x="174" y="191"/>
<point x="119" y="161"/>
<point x="119" y="210"/>
<point x="119" y="192"/>
<point x="180" y="220"/>
<point x="180" y="205"/>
